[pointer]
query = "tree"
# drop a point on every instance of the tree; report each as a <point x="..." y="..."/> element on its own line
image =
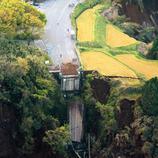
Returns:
<point x="20" y="20"/>
<point x="149" y="98"/>
<point x="153" y="53"/>
<point x="29" y="89"/>
<point x="57" y="140"/>
<point x="13" y="49"/>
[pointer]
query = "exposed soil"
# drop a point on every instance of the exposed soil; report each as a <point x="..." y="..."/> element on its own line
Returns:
<point x="124" y="118"/>
<point x="125" y="115"/>
<point x="134" y="13"/>
<point x="101" y="89"/>
<point x="147" y="15"/>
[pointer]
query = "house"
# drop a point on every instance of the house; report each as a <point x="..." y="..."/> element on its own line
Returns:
<point x="70" y="77"/>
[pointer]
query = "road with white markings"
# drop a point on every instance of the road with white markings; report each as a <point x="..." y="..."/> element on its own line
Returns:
<point x="57" y="36"/>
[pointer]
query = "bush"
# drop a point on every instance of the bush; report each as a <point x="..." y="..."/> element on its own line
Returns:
<point x="57" y="140"/>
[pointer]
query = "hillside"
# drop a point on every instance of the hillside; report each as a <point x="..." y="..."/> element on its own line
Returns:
<point x="123" y="127"/>
<point x="80" y="91"/>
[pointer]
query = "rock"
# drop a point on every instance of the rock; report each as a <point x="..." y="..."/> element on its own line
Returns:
<point x="143" y="48"/>
<point x="111" y="13"/>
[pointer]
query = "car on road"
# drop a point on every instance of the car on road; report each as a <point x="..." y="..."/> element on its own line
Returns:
<point x="34" y="3"/>
<point x="73" y="35"/>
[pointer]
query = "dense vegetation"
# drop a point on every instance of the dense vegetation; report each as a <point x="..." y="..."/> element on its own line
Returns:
<point x="20" y="20"/>
<point x="33" y="111"/>
<point x="125" y="124"/>
<point x="153" y="52"/>
<point x="31" y="92"/>
<point x="123" y="121"/>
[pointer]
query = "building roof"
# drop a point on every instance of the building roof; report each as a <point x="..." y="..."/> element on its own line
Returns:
<point x="69" y="69"/>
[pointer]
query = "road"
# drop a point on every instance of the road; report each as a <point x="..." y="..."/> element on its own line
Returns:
<point x="76" y="109"/>
<point x="57" y="38"/>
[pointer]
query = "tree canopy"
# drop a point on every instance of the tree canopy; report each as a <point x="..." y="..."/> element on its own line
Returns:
<point x="150" y="97"/>
<point x="32" y="93"/>
<point x="20" y="20"/>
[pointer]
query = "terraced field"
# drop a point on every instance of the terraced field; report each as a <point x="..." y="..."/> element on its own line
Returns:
<point x="105" y="64"/>
<point x="127" y="65"/>
<point x="146" y="67"/>
<point x="115" y="38"/>
<point x="85" y="25"/>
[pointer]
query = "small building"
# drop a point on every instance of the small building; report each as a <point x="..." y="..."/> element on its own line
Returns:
<point x="70" y="77"/>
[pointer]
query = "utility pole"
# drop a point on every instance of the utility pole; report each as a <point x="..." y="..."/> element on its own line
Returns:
<point x="89" y="146"/>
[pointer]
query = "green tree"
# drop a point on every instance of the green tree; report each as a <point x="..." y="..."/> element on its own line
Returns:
<point x="20" y="20"/>
<point x="28" y="88"/>
<point x="57" y="140"/>
<point x="150" y="97"/>
<point x="153" y="53"/>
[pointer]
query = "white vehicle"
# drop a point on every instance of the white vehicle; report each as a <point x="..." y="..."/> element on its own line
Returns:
<point x="72" y="34"/>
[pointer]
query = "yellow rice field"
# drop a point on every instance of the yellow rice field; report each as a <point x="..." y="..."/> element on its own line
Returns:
<point x="85" y="25"/>
<point x="146" y="67"/>
<point x="105" y="64"/>
<point x="116" y="38"/>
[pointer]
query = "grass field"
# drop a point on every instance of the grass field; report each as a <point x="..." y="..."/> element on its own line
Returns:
<point x="146" y="67"/>
<point x="105" y="64"/>
<point x="85" y="25"/>
<point x="115" y="38"/>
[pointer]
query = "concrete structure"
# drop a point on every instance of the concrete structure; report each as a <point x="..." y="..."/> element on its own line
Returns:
<point x="70" y="77"/>
<point x="76" y="109"/>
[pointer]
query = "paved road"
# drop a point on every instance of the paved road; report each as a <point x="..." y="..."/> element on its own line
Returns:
<point x="76" y="109"/>
<point x="57" y="32"/>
